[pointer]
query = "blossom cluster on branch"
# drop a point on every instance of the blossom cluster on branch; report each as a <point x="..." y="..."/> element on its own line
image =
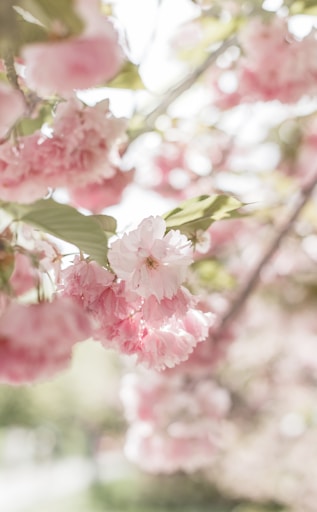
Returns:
<point x="234" y="160"/>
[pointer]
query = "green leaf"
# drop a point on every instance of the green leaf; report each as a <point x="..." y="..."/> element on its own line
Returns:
<point x="127" y="78"/>
<point x="200" y="212"/>
<point x="107" y="223"/>
<point x="48" y="12"/>
<point x="64" y="222"/>
<point x="304" y="7"/>
<point x="21" y="32"/>
<point x="28" y="125"/>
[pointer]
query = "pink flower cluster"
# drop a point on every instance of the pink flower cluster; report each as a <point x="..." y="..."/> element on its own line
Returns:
<point x="80" y="62"/>
<point x="12" y="107"/>
<point x="177" y="168"/>
<point x="142" y="309"/>
<point x="275" y="65"/>
<point x="82" y="150"/>
<point x="175" y="423"/>
<point x="102" y="194"/>
<point x="36" y="340"/>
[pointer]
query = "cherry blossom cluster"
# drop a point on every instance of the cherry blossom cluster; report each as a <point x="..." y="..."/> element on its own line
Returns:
<point x="82" y="150"/>
<point x="181" y="168"/>
<point x="140" y="306"/>
<point x="79" y="149"/>
<point x="274" y="65"/>
<point x="80" y="62"/>
<point x="36" y="336"/>
<point x="175" y="422"/>
<point x="138" y="303"/>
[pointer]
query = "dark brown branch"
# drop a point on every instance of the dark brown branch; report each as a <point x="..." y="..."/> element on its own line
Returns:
<point x="251" y="283"/>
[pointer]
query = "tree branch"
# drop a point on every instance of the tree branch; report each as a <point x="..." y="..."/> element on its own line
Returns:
<point x="172" y="94"/>
<point x="249" y="286"/>
<point x="10" y="70"/>
<point x="175" y="92"/>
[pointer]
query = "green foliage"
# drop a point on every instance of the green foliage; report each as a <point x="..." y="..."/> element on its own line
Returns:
<point x="107" y="223"/>
<point x="28" y="125"/>
<point x="213" y="275"/>
<point x="199" y="213"/>
<point x="64" y="222"/>
<point x="128" y="78"/>
<point x="33" y="21"/>
<point x="49" y="12"/>
<point x="27" y="33"/>
<point x="8" y="27"/>
<point x="304" y="7"/>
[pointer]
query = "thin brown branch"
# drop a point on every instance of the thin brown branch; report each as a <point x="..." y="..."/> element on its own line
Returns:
<point x="249" y="286"/>
<point x="10" y="70"/>
<point x="174" y="93"/>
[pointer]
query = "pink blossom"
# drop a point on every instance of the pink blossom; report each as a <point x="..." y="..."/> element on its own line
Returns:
<point x="275" y="65"/>
<point x="207" y="355"/>
<point x="84" y="282"/>
<point x="88" y="138"/>
<point x="179" y="421"/>
<point x="155" y="452"/>
<point x="150" y="261"/>
<point x="48" y="256"/>
<point x="36" y="340"/>
<point x="81" y="150"/>
<point x="21" y="180"/>
<point x="158" y="341"/>
<point x="155" y="311"/>
<point x="24" y="276"/>
<point x="97" y="196"/>
<point x="12" y="106"/>
<point x="79" y="62"/>
<point x="164" y="346"/>
<point x="120" y="324"/>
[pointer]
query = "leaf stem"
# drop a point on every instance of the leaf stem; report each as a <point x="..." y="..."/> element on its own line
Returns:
<point x="300" y="200"/>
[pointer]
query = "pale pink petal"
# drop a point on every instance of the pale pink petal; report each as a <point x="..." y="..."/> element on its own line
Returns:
<point x="150" y="262"/>
<point x="78" y="63"/>
<point x="12" y="106"/>
<point x="36" y="340"/>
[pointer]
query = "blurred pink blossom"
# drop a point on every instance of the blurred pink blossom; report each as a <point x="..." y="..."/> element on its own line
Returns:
<point x="274" y="66"/>
<point x="12" y="106"/>
<point x="28" y="349"/>
<point x="102" y="194"/>
<point x="175" y="424"/>
<point x="24" y="276"/>
<point x="82" y="150"/>
<point x="80" y="62"/>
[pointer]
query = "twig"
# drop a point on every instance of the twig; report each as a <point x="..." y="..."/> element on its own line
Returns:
<point x="175" y="92"/>
<point x="11" y="72"/>
<point x="251" y="283"/>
